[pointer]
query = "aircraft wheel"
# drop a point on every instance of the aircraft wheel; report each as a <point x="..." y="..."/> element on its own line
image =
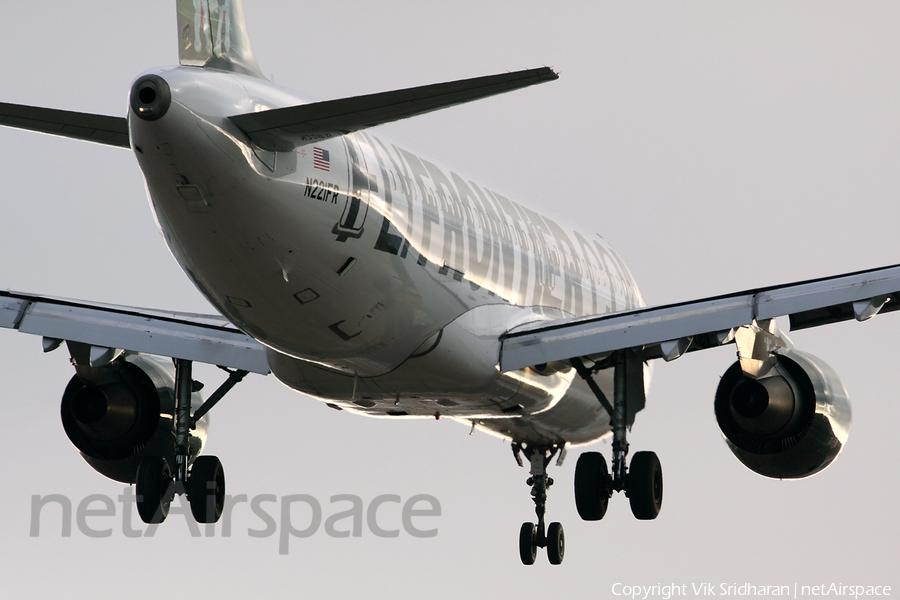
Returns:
<point x="591" y="486"/>
<point x="556" y="543"/>
<point x="645" y="485"/>
<point x="154" y="491"/>
<point x="527" y="544"/>
<point x="206" y="489"/>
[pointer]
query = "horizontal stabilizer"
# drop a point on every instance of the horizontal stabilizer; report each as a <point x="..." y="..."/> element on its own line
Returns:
<point x="283" y="129"/>
<point x="112" y="131"/>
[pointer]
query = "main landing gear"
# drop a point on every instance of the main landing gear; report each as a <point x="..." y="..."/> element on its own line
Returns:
<point x="203" y="480"/>
<point x="594" y="486"/>
<point x="594" y="483"/>
<point x="642" y="482"/>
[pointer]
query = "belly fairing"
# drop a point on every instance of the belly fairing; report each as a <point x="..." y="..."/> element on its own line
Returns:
<point x="454" y="373"/>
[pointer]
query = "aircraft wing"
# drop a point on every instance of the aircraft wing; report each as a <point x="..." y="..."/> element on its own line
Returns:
<point x="107" y="328"/>
<point x="669" y="331"/>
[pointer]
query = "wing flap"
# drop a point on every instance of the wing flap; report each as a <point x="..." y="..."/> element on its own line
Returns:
<point x="177" y="335"/>
<point x="708" y="322"/>
<point x="100" y="129"/>
<point x="830" y="300"/>
<point x="283" y="129"/>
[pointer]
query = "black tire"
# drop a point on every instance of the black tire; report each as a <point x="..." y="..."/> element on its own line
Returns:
<point x="591" y="486"/>
<point x="154" y="489"/>
<point x="527" y="544"/>
<point x="645" y="485"/>
<point x="556" y="543"/>
<point x="206" y="489"/>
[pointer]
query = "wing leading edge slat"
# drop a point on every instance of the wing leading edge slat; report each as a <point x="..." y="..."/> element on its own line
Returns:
<point x="708" y="321"/>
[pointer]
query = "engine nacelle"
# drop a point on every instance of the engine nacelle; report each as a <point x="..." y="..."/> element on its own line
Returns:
<point x="791" y="423"/>
<point x="122" y="412"/>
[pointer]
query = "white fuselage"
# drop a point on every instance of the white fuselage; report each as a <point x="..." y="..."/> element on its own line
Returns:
<point x="379" y="281"/>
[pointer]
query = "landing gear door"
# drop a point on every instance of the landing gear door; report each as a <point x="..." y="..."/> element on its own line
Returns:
<point x="361" y="185"/>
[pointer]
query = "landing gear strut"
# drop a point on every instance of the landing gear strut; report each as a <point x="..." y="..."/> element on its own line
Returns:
<point x="533" y="536"/>
<point x="642" y="482"/>
<point x="203" y="480"/>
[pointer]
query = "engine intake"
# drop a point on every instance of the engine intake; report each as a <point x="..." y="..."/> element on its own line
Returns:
<point x="790" y="424"/>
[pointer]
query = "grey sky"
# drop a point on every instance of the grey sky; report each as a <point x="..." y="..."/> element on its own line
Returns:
<point x="717" y="146"/>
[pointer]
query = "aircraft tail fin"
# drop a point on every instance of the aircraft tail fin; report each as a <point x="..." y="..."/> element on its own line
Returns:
<point x="213" y="34"/>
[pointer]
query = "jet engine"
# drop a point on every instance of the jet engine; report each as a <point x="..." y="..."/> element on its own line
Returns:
<point x="790" y="423"/>
<point x="120" y="413"/>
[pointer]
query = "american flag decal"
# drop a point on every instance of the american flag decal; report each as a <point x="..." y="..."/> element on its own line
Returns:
<point x="321" y="159"/>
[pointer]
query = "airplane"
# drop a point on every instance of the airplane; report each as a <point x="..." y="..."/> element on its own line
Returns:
<point x="384" y="284"/>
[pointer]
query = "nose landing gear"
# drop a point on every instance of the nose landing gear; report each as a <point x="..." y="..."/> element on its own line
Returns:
<point x="537" y="535"/>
